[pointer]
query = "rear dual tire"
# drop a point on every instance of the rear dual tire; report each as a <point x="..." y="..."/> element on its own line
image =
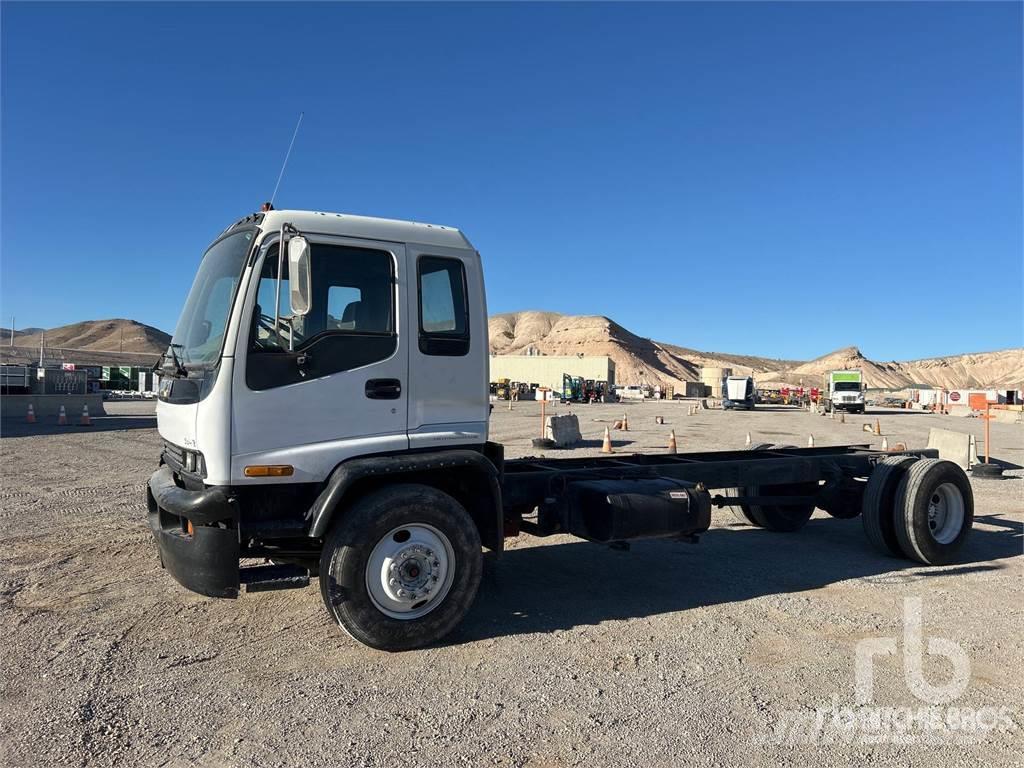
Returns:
<point x="934" y="511"/>
<point x="921" y="509"/>
<point x="783" y="518"/>
<point x="878" y="507"/>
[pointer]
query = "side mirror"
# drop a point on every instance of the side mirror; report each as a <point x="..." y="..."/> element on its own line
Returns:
<point x="300" y="287"/>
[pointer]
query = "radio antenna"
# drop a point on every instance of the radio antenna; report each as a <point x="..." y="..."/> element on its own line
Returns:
<point x="286" y="156"/>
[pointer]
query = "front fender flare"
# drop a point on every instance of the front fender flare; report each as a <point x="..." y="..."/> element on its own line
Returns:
<point x="321" y="513"/>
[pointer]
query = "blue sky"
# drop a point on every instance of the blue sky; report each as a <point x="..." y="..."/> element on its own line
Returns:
<point x="776" y="179"/>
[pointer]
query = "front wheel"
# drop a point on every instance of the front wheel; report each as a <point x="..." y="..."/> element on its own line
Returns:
<point x="401" y="567"/>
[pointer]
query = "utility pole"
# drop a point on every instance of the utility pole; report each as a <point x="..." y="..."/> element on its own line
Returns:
<point x="12" y="330"/>
<point x="42" y="340"/>
<point x="122" y="340"/>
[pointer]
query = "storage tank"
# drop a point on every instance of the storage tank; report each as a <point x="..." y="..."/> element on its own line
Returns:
<point x="711" y="378"/>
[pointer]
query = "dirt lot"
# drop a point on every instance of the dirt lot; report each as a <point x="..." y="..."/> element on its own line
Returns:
<point x="573" y="654"/>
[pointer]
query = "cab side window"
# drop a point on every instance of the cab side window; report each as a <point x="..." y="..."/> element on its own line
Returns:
<point x="350" y="323"/>
<point x="443" y="308"/>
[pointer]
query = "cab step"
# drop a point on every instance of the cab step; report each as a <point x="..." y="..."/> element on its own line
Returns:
<point x="263" y="578"/>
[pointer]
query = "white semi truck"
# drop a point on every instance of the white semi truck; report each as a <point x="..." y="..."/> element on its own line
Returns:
<point x="323" y="407"/>
<point x="844" y="391"/>
<point x="738" y="392"/>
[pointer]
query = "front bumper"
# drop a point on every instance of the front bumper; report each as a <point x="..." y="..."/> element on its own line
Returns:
<point x="196" y="534"/>
<point x="745" y="405"/>
<point x="848" y="406"/>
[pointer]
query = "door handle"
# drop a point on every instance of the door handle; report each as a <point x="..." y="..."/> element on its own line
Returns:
<point x="383" y="389"/>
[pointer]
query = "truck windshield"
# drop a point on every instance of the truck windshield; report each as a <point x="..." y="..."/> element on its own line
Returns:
<point x="199" y="335"/>
<point x="846" y="386"/>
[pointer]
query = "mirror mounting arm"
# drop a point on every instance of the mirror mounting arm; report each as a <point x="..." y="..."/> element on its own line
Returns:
<point x="290" y="229"/>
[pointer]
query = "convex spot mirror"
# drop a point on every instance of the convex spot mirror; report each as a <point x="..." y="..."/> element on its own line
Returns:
<point x="300" y="287"/>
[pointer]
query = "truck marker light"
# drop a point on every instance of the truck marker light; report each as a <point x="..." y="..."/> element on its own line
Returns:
<point x="269" y="470"/>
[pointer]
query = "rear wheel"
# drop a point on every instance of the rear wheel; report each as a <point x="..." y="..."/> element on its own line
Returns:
<point x="742" y="512"/>
<point x="401" y="567"/>
<point x="775" y="517"/>
<point x="783" y="517"/>
<point x="878" y="509"/>
<point x="934" y="511"/>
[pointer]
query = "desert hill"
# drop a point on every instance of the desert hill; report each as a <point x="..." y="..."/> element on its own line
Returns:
<point x="100" y="335"/>
<point x="91" y="342"/>
<point x="639" y="360"/>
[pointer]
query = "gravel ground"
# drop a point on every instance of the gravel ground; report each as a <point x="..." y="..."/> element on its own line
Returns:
<point x="573" y="654"/>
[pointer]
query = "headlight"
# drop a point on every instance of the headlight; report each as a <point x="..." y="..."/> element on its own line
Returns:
<point x="190" y="461"/>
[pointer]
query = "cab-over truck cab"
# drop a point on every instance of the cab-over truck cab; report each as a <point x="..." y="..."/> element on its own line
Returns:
<point x="287" y="394"/>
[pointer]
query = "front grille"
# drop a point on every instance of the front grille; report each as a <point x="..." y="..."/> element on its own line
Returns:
<point x="174" y="457"/>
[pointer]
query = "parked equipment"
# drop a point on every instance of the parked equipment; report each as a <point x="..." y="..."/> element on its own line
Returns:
<point x="738" y="392"/>
<point x="572" y="389"/>
<point x="342" y="433"/>
<point x="844" y="391"/>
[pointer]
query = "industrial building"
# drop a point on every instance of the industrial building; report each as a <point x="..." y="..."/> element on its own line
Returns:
<point x="547" y="370"/>
<point x="712" y="378"/>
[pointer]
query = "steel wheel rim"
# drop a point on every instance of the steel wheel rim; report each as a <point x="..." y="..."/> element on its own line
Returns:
<point x="410" y="571"/>
<point x="945" y="513"/>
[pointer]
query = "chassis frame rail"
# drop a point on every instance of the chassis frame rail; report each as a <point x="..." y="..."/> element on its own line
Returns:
<point x="528" y="481"/>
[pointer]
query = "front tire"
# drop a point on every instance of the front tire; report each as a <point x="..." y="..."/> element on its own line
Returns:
<point x="401" y="567"/>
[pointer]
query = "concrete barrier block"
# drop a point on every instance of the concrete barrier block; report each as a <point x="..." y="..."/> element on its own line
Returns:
<point x="14" y="407"/>
<point x="957" y="447"/>
<point x="564" y="430"/>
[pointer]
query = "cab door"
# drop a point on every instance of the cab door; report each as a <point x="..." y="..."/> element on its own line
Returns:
<point x="448" y="396"/>
<point x="315" y="390"/>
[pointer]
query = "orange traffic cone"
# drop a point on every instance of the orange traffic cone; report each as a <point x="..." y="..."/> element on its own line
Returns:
<point x="85" y="421"/>
<point x="878" y="427"/>
<point x="607" y="446"/>
<point x="30" y="417"/>
<point x="625" y="423"/>
<point x="62" y="418"/>
<point x="672" y="441"/>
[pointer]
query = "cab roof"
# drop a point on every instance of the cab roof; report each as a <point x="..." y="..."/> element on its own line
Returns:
<point x="365" y="227"/>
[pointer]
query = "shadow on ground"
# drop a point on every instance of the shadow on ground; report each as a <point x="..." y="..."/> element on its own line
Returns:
<point x="99" y="424"/>
<point x="548" y="588"/>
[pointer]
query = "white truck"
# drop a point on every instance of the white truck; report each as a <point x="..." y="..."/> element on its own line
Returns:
<point x="844" y="391"/>
<point x="323" y="407"/>
<point x="738" y="392"/>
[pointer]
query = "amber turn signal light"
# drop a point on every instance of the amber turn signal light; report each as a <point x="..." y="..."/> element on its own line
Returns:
<point x="269" y="470"/>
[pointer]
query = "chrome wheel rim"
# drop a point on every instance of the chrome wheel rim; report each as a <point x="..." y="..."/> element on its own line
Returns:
<point x="945" y="513"/>
<point x="410" y="571"/>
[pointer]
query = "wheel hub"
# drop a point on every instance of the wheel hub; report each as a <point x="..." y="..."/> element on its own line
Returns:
<point x="410" y="571"/>
<point x="413" y="574"/>
<point x="945" y="513"/>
